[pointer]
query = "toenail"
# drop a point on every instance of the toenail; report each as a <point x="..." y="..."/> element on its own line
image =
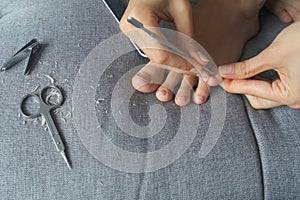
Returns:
<point x="181" y="98"/>
<point x="200" y="99"/>
<point x="285" y="17"/>
<point x="162" y="92"/>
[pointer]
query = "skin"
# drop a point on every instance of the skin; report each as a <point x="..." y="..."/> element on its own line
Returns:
<point x="283" y="57"/>
<point x="235" y="20"/>
<point x="286" y="10"/>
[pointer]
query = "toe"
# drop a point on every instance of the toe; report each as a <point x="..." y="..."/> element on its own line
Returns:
<point x="285" y="17"/>
<point x="148" y="79"/>
<point x="166" y="90"/>
<point x="202" y="92"/>
<point x="183" y="96"/>
<point x="294" y="11"/>
<point x="281" y="13"/>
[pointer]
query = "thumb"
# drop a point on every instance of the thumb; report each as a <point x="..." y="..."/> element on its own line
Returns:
<point x="247" y="68"/>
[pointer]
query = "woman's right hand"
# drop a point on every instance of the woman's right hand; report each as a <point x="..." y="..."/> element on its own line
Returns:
<point x="150" y="13"/>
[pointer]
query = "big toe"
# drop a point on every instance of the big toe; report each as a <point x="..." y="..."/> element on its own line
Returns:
<point x="148" y="79"/>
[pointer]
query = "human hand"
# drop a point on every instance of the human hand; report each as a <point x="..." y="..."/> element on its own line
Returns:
<point x="286" y="10"/>
<point x="150" y="13"/>
<point x="283" y="57"/>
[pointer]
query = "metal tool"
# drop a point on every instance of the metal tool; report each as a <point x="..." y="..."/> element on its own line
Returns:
<point x="25" y="52"/>
<point x="167" y="44"/>
<point x="45" y="107"/>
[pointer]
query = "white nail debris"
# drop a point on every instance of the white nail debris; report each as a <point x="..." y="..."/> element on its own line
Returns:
<point x="19" y="115"/>
<point x="98" y="101"/>
<point x="110" y="76"/>
<point x="24" y="122"/>
<point x="35" y="88"/>
<point x="78" y="45"/>
<point x="92" y="87"/>
<point x="69" y="115"/>
<point x="43" y="122"/>
<point x="46" y="129"/>
<point x="51" y="94"/>
<point x="50" y="78"/>
<point x="40" y="62"/>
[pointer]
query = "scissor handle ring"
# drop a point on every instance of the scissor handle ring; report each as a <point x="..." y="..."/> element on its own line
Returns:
<point x="59" y="98"/>
<point x="24" y="113"/>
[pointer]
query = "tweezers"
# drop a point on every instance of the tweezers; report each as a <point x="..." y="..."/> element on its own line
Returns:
<point x="25" y="52"/>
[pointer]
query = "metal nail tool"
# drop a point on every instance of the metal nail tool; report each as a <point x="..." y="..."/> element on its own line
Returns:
<point x="25" y="52"/>
<point x="167" y="44"/>
<point x="45" y="107"/>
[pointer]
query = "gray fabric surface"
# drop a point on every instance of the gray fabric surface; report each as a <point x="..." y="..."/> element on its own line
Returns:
<point x="277" y="131"/>
<point x="256" y="155"/>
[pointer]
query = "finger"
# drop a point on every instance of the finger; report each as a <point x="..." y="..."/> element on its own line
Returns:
<point x="152" y="48"/>
<point x="183" y="19"/>
<point x="260" y="103"/>
<point x="247" y="68"/>
<point x="182" y="16"/>
<point x="148" y="79"/>
<point x="175" y="65"/>
<point x="274" y="91"/>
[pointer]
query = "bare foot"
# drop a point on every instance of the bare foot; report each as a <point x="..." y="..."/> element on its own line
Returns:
<point x="222" y="28"/>
<point x="285" y="10"/>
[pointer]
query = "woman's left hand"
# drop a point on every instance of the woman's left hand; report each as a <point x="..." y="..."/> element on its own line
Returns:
<point x="283" y="56"/>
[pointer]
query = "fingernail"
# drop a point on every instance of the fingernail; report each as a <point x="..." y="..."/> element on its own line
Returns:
<point x="204" y="77"/>
<point x="226" y="69"/>
<point x="202" y="57"/>
<point x="146" y="77"/>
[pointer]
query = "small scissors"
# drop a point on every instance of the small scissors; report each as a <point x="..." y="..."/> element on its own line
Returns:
<point x="45" y="106"/>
